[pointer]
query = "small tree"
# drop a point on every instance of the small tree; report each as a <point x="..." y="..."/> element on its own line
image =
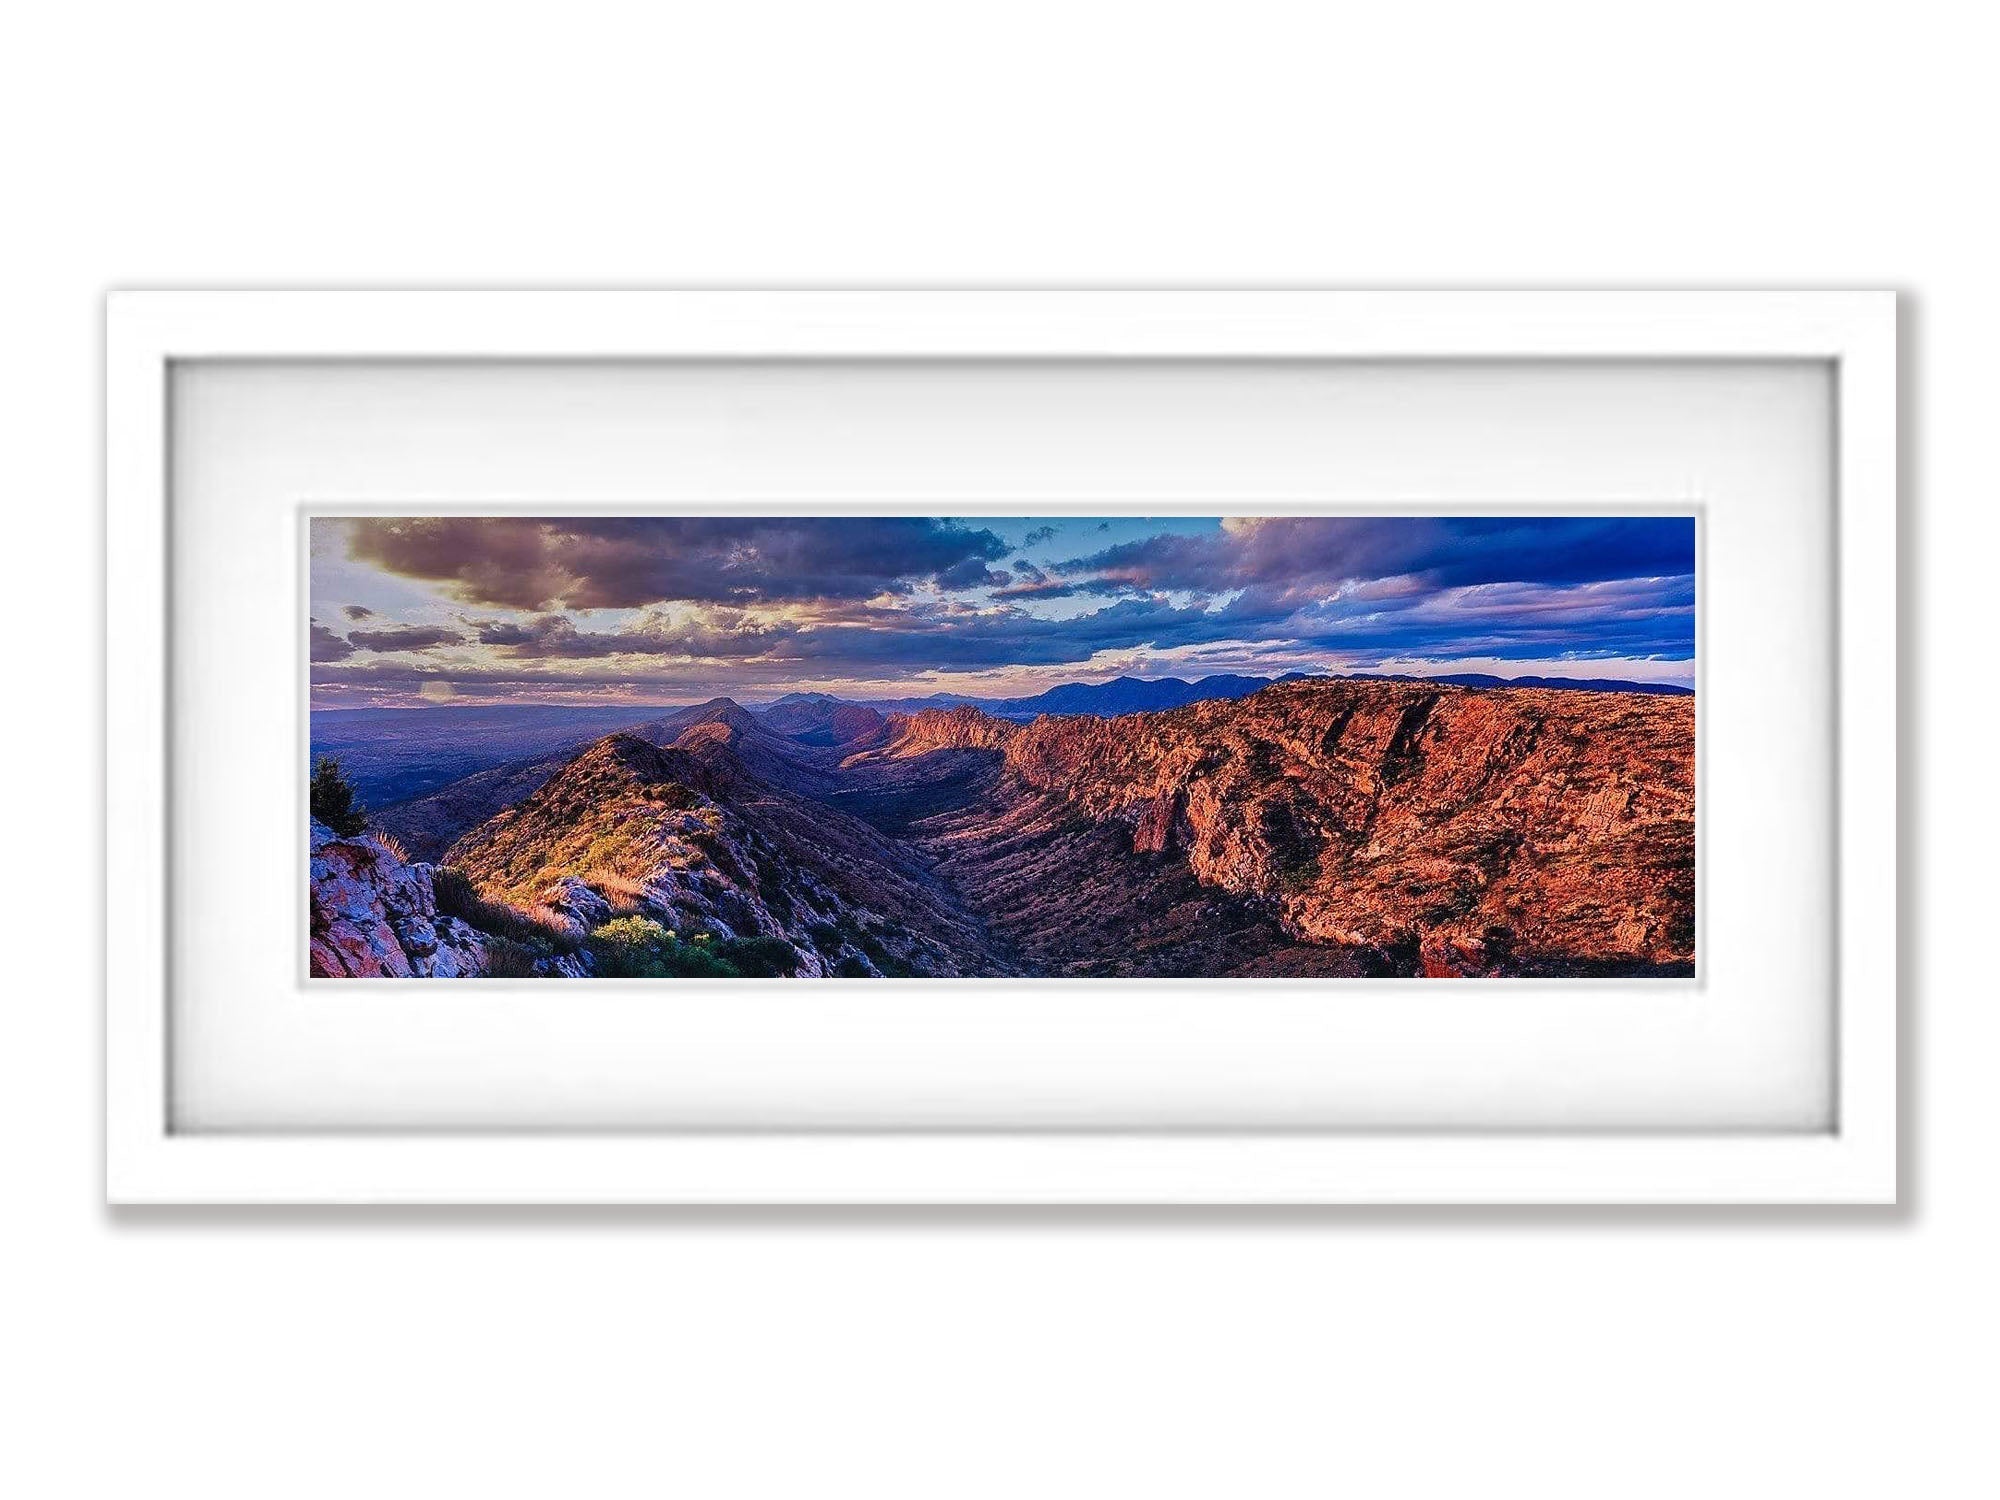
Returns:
<point x="333" y="800"/>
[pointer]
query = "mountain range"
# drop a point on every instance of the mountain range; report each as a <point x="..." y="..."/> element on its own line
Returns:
<point x="1310" y="826"/>
<point x="1126" y="695"/>
<point x="1121" y="695"/>
<point x="394" y="755"/>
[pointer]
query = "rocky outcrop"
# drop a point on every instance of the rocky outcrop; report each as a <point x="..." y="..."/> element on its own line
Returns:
<point x="962" y="728"/>
<point x="1159" y="827"/>
<point x="373" y="915"/>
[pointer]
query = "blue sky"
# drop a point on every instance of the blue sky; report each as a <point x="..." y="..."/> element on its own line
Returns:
<point x="674" y="609"/>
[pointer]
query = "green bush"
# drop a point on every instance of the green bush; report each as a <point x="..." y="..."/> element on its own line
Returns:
<point x="640" y="948"/>
<point x="761" y="957"/>
<point x="333" y="799"/>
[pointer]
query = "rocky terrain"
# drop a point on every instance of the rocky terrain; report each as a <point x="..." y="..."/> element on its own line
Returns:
<point x="374" y="916"/>
<point x="374" y="913"/>
<point x="1320" y="826"/>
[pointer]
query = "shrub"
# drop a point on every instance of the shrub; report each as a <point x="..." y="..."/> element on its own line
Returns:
<point x="507" y="959"/>
<point x="640" y="948"/>
<point x="456" y="897"/>
<point x="760" y="957"/>
<point x="632" y="948"/>
<point x="333" y="799"/>
<point x="879" y="954"/>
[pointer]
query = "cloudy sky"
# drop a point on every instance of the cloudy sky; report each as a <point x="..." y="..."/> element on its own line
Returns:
<point x="412" y="610"/>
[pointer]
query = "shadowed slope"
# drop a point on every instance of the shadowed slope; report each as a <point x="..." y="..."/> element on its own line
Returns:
<point x="689" y="836"/>
<point x="816" y="719"/>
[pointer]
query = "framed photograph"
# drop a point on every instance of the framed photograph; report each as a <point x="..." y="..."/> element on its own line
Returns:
<point x="1001" y="747"/>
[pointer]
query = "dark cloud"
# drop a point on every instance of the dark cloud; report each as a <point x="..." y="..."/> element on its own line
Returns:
<point x="1039" y="535"/>
<point x="853" y="637"/>
<point x="356" y="611"/>
<point x="1628" y="617"/>
<point x="1508" y="621"/>
<point x="803" y="600"/>
<point x="405" y="638"/>
<point x="718" y="633"/>
<point x="1306" y="553"/>
<point x="972" y="574"/>
<point x="617" y="562"/>
<point x="865" y="640"/>
<point x="326" y="646"/>
<point x="547" y="628"/>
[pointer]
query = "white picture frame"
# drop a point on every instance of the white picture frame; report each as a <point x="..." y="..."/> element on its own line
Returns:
<point x="1853" y="1161"/>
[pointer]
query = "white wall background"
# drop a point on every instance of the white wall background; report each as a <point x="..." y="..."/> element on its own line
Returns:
<point x="786" y="1354"/>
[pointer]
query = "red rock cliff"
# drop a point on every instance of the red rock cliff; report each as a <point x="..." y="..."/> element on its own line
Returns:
<point x="1471" y="830"/>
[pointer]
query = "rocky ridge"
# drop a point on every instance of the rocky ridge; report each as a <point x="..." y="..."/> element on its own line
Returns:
<point x="688" y="836"/>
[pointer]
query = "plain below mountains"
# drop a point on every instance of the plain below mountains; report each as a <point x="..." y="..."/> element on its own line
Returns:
<point x="1311" y="827"/>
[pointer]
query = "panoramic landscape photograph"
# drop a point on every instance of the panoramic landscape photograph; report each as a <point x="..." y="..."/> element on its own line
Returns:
<point x="832" y="746"/>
